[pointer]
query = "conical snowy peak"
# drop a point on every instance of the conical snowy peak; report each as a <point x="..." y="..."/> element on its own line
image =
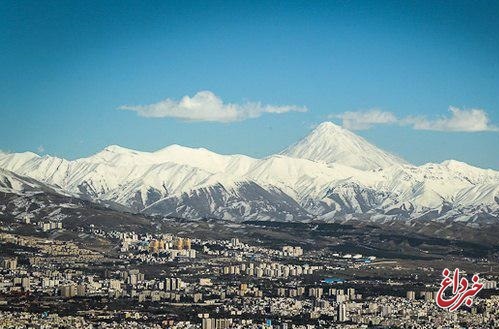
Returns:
<point x="330" y="143"/>
<point x="330" y="172"/>
<point x="328" y="126"/>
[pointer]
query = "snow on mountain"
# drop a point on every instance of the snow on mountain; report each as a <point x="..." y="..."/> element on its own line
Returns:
<point x="330" y="143"/>
<point x="13" y="183"/>
<point x="330" y="172"/>
<point x="14" y="161"/>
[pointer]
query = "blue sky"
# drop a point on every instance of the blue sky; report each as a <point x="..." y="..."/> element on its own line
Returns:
<point x="392" y="69"/>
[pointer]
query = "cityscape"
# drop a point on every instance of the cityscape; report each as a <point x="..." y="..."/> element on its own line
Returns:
<point x="171" y="281"/>
<point x="249" y="164"/>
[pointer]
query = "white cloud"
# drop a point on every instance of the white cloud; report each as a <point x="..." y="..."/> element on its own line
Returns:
<point x="362" y="120"/>
<point x="40" y="149"/>
<point x="206" y="106"/>
<point x="466" y="120"/>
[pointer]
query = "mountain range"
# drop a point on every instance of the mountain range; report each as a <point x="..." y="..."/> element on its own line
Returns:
<point x="330" y="174"/>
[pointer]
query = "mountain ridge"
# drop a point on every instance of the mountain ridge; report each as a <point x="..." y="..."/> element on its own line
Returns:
<point x="328" y="173"/>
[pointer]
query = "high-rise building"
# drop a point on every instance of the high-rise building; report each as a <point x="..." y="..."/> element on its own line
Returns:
<point x="428" y="296"/>
<point x="81" y="290"/>
<point x="132" y="279"/>
<point x="180" y="243"/>
<point x="489" y="284"/>
<point x="216" y="323"/>
<point x="386" y="310"/>
<point x="154" y="246"/>
<point x="351" y="293"/>
<point x="315" y="292"/>
<point x="25" y="284"/>
<point x="116" y="284"/>
<point x="162" y="244"/>
<point x="223" y="323"/>
<point x="173" y="284"/>
<point x="243" y="289"/>
<point x="9" y="263"/>
<point x="208" y="323"/>
<point x="68" y="291"/>
<point x="187" y="244"/>
<point x="342" y="313"/>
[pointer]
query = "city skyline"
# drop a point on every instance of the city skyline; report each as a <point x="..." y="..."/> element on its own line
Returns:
<point x="249" y="165"/>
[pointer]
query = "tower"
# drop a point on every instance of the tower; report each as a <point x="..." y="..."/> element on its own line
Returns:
<point x="342" y="312"/>
<point x="180" y="244"/>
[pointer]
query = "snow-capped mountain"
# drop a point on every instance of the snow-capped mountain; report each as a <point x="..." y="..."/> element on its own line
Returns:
<point x="330" y="143"/>
<point x="13" y="183"/>
<point x="331" y="172"/>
